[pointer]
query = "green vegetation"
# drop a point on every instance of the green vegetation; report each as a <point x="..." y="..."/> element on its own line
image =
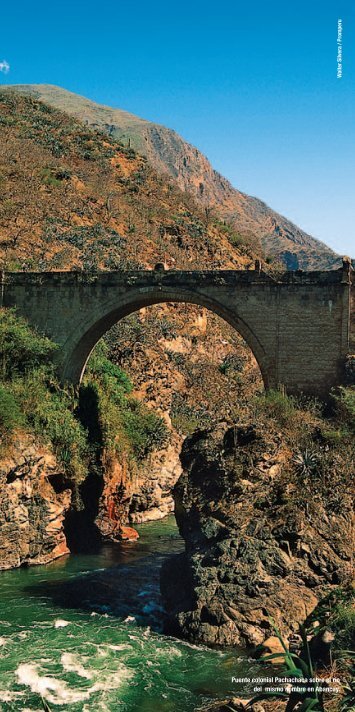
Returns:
<point x="337" y="424"/>
<point x="21" y="350"/>
<point x="49" y="412"/>
<point x="11" y="416"/>
<point x="186" y="418"/>
<point x="126" y="425"/>
<point x="32" y="400"/>
<point x="320" y="438"/>
<point x="344" y="405"/>
<point x="91" y="202"/>
<point x="235" y="238"/>
<point x="232" y="364"/>
<point x="53" y="176"/>
<point x="304" y="695"/>
<point x="277" y="406"/>
<point x="337" y="613"/>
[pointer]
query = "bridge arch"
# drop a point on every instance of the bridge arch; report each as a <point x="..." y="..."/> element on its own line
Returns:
<point x="79" y="345"/>
<point x="297" y="326"/>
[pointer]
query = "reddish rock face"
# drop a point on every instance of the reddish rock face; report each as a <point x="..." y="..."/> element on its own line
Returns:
<point x="31" y="512"/>
<point x="115" y="498"/>
<point x="128" y="534"/>
<point x="135" y="493"/>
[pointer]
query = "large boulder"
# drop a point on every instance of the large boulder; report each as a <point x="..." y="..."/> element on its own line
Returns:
<point x="254" y="552"/>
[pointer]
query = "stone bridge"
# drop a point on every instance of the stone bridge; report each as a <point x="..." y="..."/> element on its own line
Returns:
<point x="296" y="326"/>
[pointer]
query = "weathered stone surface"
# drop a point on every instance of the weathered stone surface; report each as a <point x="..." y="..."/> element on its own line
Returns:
<point x="31" y="512"/>
<point x="251" y="553"/>
<point x="113" y="505"/>
<point x="152" y="492"/>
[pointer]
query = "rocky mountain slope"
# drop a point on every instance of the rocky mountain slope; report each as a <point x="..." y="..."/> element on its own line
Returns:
<point x="271" y="233"/>
<point x="72" y="198"/>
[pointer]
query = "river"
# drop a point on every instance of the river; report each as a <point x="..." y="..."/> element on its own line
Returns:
<point x="84" y="633"/>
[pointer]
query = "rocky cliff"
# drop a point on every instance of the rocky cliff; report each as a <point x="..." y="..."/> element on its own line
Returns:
<point x="32" y="512"/>
<point x="257" y="548"/>
<point x="168" y="153"/>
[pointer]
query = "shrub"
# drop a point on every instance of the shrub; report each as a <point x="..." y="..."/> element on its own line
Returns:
<point x="125" y="424"/>
<point x="145" y="429"/>
<point x="10" y="413"/>
<point x="344" y="406"/>
<point x="48" y="412"/>
<point x="187" y="419"/>
<point x="232" y="362"/>
<point x="276" y="405"/>
<point x="343" y="626"/>
<point x="235" y="238"/>
<point x="337" y="612"/>
<point x="31" y="397"/>
<point x="110" y="375"/>
<point x="49" y="178"/>
<point x="21" y="348"/>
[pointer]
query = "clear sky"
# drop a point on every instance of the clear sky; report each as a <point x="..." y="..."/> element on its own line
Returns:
<point x="252" y="84"/>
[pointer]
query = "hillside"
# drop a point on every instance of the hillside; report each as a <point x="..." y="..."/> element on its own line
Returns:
<point x="167" y="152"/>
<point x="73" y="198"/>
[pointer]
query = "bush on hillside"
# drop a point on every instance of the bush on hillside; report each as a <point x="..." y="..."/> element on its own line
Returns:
<point x="145" y="429"/>
<point x="344" y="406"/>
<point x="32" y="398"/>
<point x="107" y="372"/>
<point x="21" y="348"/>
<point x="10" y="414"/>
<point x="276" y="405"/>
<point x="47" y="411"/>
<point x="126" y="425"/>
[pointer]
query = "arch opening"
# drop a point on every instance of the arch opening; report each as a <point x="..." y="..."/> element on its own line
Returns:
<point x="74" y="366"/>
<point x="188" y="366"/>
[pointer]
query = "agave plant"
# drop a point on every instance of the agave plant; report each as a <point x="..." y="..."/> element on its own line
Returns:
<point x="305" y="461"/>
<point x="302" y="697"/>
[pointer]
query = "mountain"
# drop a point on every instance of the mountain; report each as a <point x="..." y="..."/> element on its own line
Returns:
<point x="75" y="198"/>
<point x="270" y="233"/>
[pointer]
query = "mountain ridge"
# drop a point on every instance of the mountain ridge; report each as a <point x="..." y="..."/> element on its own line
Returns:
<point x="276" y="237"/>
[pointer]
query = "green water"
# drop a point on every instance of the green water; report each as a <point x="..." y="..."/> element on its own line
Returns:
<point x="85" y="634"/>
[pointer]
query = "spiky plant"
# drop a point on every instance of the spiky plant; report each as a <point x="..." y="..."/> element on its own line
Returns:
<point x="302" y="696"/>
<point x="305" y="461"/>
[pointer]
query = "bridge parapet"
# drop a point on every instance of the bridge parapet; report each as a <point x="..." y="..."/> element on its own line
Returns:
<point x="176" y="276"/>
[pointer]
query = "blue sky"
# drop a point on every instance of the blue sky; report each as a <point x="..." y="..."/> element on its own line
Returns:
<point x="253" y="85"/>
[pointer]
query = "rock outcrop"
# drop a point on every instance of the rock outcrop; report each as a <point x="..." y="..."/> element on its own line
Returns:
<point x="152" y="496"/>
<point x="136" y="494"/>
<point x="31" y="511"/>
<point x="252" y="551"/>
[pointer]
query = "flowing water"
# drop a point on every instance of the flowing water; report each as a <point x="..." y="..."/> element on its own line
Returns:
<point x="84" y="633"/>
